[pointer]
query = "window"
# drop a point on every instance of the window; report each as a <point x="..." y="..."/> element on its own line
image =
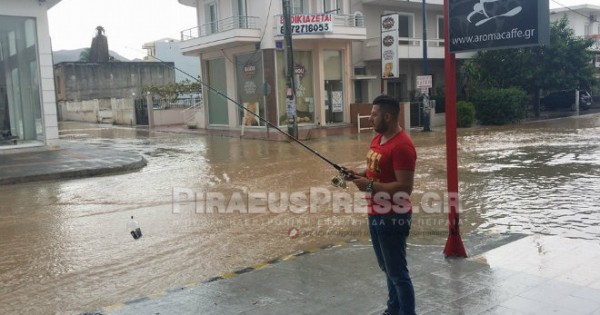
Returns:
<point x="217" y="105"/>
<point x="212" y="18"/>
<point x="299" y="6"/>
<point x="587" y="29"/>
<point x="440" y="30"/>
<point x="333" y="6"/>
<point x="240" y="10"/>
<point x="20" y="97"/>
<point x="249" y="76"/>
<point x="405" y="27"/>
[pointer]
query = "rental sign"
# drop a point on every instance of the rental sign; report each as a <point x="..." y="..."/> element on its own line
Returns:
<point x="492" y="24"/>
<point x="308" y="23"/>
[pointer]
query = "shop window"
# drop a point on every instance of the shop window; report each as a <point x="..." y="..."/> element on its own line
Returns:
<point x="217" y="104"/>
<point x="303" y="77"/>
<point x="20" y="99"/>
<point x="249" y="76"/>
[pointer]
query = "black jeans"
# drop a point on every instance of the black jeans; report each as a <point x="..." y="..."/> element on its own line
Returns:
<point x="388" y="234"/>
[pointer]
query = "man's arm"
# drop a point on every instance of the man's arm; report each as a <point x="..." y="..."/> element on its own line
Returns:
<point x="404" y="183"/>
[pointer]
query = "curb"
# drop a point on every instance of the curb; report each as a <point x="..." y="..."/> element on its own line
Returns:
<point x="140" y="163"/>
<point x="228" y="275"/>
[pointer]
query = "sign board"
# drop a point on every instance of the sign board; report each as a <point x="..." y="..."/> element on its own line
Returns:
<point x="424" y="81"/>
<point x="337" y="103"/>
<point x="484" y="24"/>
<point x="291" y="108"/>
<point x="389" y="46"/>
<point x="308" y="23"/>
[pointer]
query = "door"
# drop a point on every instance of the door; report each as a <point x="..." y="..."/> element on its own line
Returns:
<point x="334" y="102"/>
<point x="141" y="112"/>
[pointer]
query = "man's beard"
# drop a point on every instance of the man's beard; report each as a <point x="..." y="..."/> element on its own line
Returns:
<point x="381" y="127"/>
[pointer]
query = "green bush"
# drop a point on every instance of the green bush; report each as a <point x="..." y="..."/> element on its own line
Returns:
<point x="500" y="106"/>
<point x="465" y="114"/>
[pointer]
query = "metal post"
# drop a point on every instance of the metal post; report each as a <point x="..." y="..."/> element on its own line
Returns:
<point x="454" y="245"/>
<point x="577" y="103"/>
<point x="425" y="65"/>
<point x="426" y="106"/>
<point x="289" y="53"/>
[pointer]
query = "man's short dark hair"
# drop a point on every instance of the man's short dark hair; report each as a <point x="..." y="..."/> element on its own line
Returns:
<point x="388" y="104"/>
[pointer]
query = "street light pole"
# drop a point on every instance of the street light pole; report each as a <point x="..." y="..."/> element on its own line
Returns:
<point x="425" y="102"/>
<point x="289" y="53"/>
<point x="425" y="66"/>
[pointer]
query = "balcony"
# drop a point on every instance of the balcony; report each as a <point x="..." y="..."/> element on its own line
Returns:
<point x="343" y="26"/>
<point x="221" y="34"/>
<point x="408" y="48"/>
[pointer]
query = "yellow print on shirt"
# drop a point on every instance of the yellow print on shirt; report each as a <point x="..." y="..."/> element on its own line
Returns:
<point x="373" y="161"/>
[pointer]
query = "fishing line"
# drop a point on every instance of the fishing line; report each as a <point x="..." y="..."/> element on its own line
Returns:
<point x="338" y="181"/>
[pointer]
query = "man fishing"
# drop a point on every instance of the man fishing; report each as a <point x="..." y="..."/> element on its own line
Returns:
<point x="388" y="182"/>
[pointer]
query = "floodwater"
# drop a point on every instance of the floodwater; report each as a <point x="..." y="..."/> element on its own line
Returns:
<point x="65" y="248"/>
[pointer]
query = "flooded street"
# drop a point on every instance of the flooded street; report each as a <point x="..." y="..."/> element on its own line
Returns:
<point x="65" y="248"/>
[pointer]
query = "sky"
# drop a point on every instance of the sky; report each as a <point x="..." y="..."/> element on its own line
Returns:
<point x="129" y="24"/>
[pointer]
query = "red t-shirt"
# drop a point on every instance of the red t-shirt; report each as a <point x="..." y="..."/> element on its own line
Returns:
<point x="398" y="153"/>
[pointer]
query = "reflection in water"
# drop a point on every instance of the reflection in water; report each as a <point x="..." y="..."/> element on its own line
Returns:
<point x="65" y="247"/>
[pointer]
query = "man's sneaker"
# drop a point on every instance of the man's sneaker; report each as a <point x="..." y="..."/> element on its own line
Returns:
<point x="386" y="312"/>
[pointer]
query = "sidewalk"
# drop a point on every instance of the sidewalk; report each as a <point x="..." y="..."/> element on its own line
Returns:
<point x="71" y="160"/>
<point x="503" y="275"/>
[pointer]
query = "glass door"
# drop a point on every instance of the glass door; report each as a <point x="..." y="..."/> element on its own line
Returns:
<point x="334" y="86"/>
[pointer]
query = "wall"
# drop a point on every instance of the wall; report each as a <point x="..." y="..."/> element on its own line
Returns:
<point x="87" y="81"/>
<point x="115" y="111"/>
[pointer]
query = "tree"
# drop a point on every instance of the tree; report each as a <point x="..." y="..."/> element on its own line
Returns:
<point x="470" y="74"/>
<point x="84" y="55"/>
<point x="171" y="91"/>
<point x="563" y="64"/>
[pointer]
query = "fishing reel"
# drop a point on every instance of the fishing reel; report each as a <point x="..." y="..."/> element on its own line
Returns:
<point x="340" y="179"/>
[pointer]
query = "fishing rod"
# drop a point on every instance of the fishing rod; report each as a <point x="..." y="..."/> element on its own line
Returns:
<point x="337" y="181"/>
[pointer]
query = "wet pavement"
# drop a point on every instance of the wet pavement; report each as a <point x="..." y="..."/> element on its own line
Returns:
<point x="65" y="249"/>
<point x="519" y="275"/>
<point x="71" y="160"/>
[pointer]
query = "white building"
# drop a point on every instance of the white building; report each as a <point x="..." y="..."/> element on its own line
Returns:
<point x="241" y="50"/>
<point x="367" y="56"/>
<point x="168" y="49"/>
<point x="585" y="21"/>
<point x="27" y="100"/>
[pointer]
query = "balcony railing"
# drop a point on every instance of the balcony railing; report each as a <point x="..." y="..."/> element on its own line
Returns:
<point x="355" y="20"/>
<point x="406" y="41"/>
<point x="230" y="23"/>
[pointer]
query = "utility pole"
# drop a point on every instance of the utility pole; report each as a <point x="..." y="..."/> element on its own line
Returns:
<point x="425" y="66"/>
<point x="426" y="105"/>
<point x="289" y="58"/>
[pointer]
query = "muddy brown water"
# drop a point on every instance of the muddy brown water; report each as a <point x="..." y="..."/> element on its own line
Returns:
<point x="65" y="249"/>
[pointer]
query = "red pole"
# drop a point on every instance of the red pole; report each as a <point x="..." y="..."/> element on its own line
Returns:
<point x="454" y="244"/>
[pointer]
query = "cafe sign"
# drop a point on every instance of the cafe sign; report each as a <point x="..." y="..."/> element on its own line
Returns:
<point x="493" y="24"/>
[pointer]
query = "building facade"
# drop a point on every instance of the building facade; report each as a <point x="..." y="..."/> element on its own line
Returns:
<point x="585" y="21"/>
<point x="240" y="45"/>
<point x="168" y="49"/>
<point x="28" y="117"/>
<point x="410" y="53"/>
